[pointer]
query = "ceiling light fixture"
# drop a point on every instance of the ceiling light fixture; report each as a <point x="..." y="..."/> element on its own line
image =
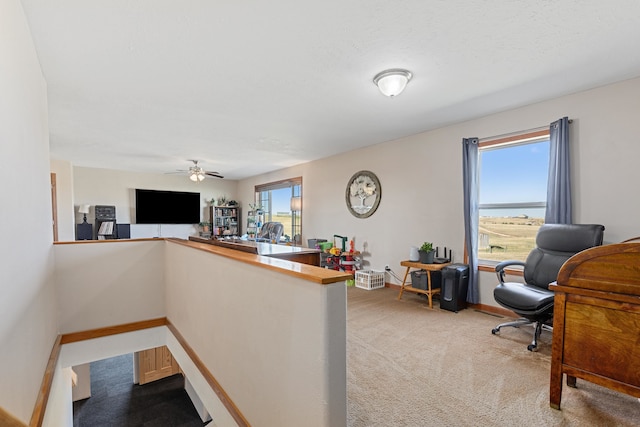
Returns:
<point x="392" y="82"/>
<point x="196" y="173"/>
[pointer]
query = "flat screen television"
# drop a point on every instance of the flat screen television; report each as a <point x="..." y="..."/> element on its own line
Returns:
<point x="167" y="207"/>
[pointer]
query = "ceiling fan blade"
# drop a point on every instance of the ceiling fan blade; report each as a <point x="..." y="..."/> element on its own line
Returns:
<point x="213" y="174"/>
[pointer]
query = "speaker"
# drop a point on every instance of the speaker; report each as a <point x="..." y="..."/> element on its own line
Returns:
<point x="123" y="231"/>
<point x="84" y="231"/>
<point x="455" y="284"/>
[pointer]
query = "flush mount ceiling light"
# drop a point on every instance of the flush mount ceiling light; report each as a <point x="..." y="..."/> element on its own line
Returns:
<point x="392" y="82"/>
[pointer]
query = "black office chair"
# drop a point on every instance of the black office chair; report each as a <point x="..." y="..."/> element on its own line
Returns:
<point x="270" y="231"/>
<point x="532" y="300"/>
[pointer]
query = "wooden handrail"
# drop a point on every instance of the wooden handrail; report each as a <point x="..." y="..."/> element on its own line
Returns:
<point x="211" y="380"/>
<point x="37" y="415"/>
<point x="113" y="330"/>
<point x="45" y="388"/>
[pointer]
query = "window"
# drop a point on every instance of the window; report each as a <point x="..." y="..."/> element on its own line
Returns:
<point x="512" y="195"/>
<point x="278" y="201"/>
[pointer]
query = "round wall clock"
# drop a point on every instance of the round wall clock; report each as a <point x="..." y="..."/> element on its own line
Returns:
<point x="363" y="194"/>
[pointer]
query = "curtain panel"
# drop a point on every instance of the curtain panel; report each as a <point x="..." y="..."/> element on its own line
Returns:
<point x="470" y="182"/>
<point x="559" y="183"/>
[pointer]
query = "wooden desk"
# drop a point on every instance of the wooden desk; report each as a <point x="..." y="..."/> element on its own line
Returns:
<point x="429" y="268"/>
<point x="290" y="253"/>
<point x="596" y="320"/>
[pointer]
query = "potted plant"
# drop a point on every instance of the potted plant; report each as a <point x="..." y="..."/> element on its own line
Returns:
<point x="426" y="253"/>
<point x="205" y="226"/>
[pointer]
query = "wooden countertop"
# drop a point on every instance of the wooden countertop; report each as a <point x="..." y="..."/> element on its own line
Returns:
<point x="259" y="248"/>
<point x="241" y="253"/>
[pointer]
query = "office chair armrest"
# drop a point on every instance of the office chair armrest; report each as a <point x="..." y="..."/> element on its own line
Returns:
<point x="504" y="264"/>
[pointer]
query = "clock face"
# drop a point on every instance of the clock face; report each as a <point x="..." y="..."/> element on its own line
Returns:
<point x="363" y="194"/>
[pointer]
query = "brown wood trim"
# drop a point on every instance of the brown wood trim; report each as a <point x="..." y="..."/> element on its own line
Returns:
<point x="491" y="309"/>
<point x="512" y="138"/>
<point x="480" y="307"/>
<point x="84" y="242"/>
<point x="598" y="298"/>
<point x="270" y="185"/>
<point x="211" y="380"/>
<point x="54" y="206"/>
<point x="113" y="330"/>
<point x="310" y="273"/>
<point x="37" y="416"/>
<point x="8" y="420"/>
<point x="508" y="271"/>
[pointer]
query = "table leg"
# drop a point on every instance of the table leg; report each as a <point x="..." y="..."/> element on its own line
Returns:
<point x="404" y="280"/>
<point x="429" y="294"/>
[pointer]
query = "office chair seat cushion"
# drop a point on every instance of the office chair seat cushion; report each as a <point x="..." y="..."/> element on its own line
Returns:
<point x="522" y="298"/>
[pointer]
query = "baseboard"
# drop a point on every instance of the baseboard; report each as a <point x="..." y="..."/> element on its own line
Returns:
<point x="490" y="309"/>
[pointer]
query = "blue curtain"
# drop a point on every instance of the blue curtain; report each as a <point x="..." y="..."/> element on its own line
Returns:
<point x="470" y="191"/>
<point x="559" y="184"/>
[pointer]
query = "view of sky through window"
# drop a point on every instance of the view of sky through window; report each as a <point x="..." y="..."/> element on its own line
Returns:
<point x="512" y="175"/>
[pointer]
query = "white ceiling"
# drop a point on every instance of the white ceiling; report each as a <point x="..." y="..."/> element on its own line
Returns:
<point x="252" y="86"/>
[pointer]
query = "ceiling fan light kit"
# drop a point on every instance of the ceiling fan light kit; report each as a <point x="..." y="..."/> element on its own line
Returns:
<point x="197" y="173"/>
<point x="393" y="81"/>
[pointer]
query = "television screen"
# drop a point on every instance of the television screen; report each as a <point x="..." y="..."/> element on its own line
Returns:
<point x="167" y="207"/>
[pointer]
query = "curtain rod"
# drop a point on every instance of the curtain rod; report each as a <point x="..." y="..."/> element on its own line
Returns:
<point x="520" y="132"/>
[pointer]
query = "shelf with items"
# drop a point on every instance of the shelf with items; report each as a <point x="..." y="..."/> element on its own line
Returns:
<point x="225" y="221"/>
<point x="255" y="219"/>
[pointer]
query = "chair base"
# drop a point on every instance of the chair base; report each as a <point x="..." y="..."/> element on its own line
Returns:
<point x="538" y="327"/>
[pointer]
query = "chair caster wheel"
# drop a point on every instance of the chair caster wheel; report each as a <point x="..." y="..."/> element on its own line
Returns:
<point x="532" y="347"/>
<point x="495" y="331"/>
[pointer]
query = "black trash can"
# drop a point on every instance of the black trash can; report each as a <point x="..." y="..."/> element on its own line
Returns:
<point x="455" y="283"/>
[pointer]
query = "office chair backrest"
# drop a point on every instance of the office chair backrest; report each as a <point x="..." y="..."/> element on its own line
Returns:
<point x="271" y="229"/>
<point x="556" y="243"/>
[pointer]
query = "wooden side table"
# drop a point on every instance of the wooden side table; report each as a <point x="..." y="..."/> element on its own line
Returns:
<point x="429" y="292"/>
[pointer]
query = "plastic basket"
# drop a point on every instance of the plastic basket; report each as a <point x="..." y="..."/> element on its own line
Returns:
<point x="369" y="279"/>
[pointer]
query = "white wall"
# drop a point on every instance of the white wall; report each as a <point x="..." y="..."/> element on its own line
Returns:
<point x="108" y="283"/>
<point x="113" y="187"/>
<point x="421" y="178"/>
<point x="59" y="410"/>
<point x="27" y="308"/>
<point x="276" y="343"/>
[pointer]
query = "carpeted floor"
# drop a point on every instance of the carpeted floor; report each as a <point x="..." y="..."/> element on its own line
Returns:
<point x="408" y="365"/>
<point x="116" y="402"/>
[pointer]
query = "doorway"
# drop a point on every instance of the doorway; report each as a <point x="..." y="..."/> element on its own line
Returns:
<point x="117" y="400"/>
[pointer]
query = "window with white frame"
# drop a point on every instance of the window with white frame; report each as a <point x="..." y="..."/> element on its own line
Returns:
<point x="281" y="201"/>
<point x="512" y="195"/>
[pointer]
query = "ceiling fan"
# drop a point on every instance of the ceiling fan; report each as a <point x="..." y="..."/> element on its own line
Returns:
<point x="197" y="173"/>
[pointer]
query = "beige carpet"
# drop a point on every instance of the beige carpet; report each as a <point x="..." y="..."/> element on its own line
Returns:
<point x="408" y="365"/>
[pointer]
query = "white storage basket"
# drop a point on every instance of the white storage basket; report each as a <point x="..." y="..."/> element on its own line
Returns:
<point x="369" y="279"/>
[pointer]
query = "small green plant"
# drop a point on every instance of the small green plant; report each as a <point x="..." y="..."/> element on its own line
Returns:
<point x="426" y="247"/>
<point x="255" y="207"/>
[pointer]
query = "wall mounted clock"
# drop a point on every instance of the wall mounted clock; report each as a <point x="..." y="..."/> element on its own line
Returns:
<point x="363" y="194"/>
